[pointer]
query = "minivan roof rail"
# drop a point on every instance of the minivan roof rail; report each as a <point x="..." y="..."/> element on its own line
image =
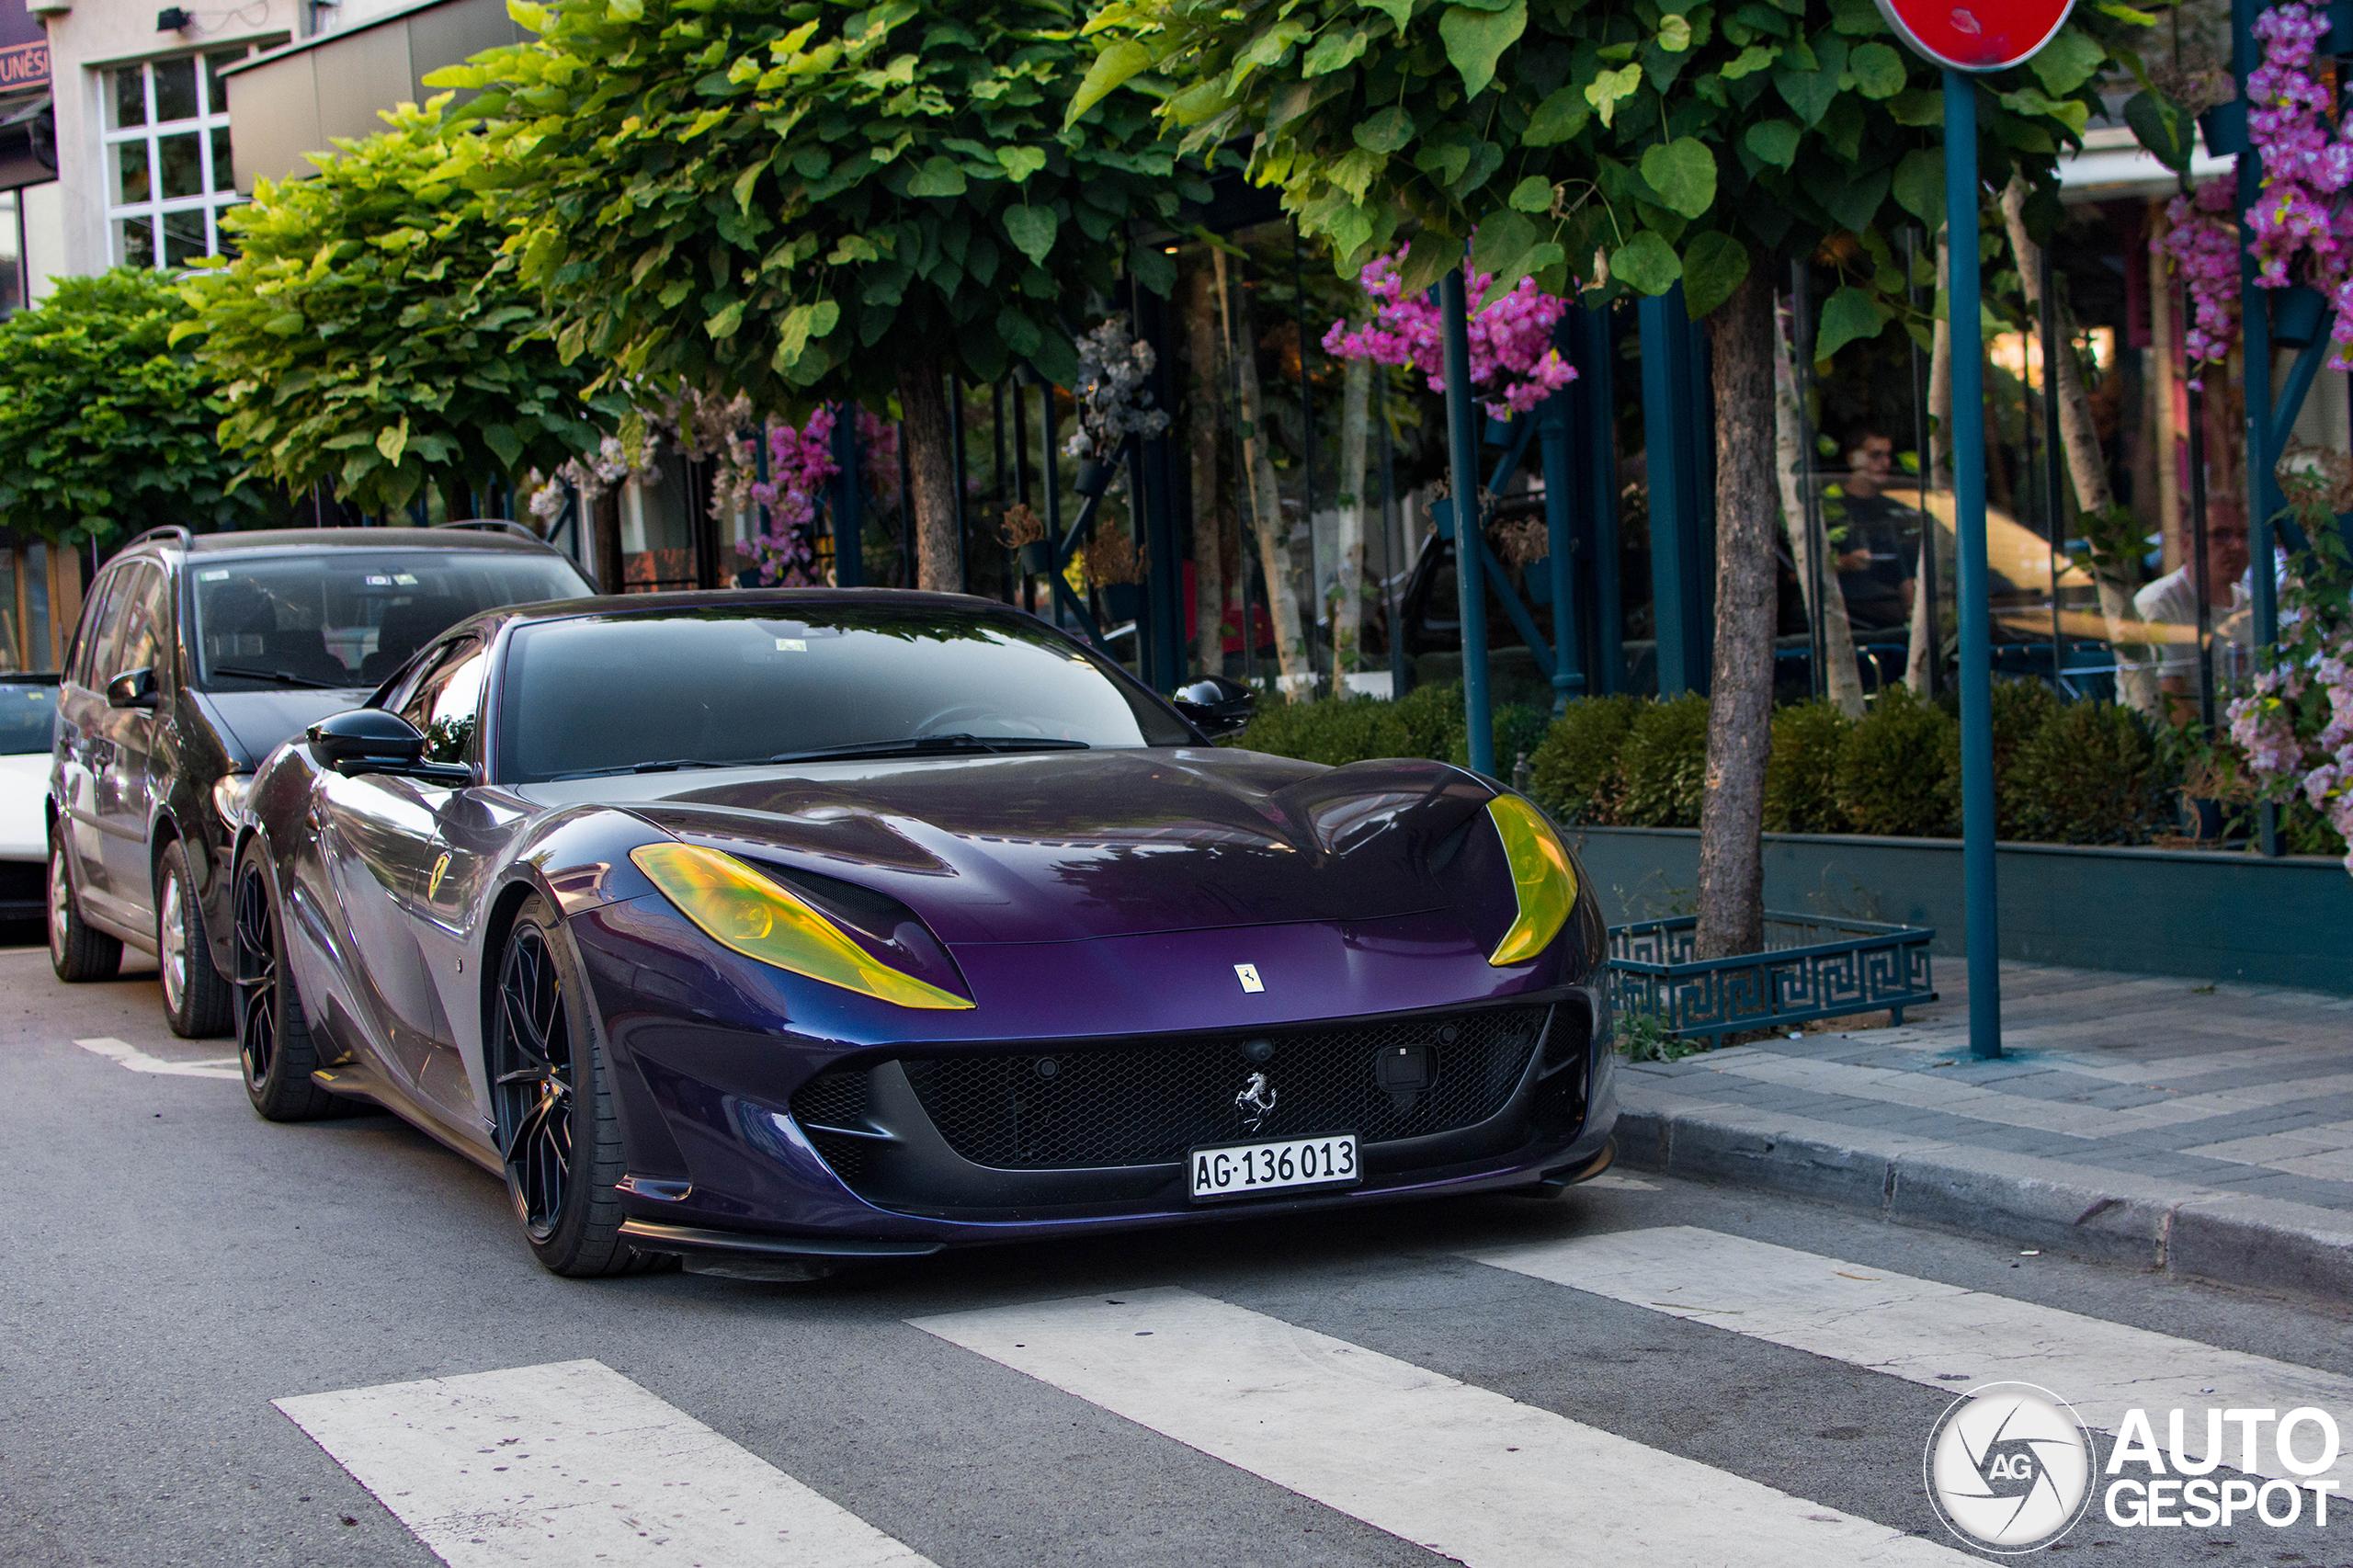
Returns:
<point x="493" y="525"/>
<point x="172" y="529"/>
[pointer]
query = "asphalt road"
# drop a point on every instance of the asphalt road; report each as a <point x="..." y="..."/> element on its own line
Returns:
<point x="174" y="1265"/>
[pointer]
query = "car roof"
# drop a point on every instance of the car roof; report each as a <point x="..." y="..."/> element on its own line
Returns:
<point x="283" y="540"/>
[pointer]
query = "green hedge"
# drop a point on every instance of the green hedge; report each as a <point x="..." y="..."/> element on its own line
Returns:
<point x="2064" y="773"/>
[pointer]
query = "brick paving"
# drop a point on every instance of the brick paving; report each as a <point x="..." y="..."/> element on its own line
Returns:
<point x="2236" y="1089"/>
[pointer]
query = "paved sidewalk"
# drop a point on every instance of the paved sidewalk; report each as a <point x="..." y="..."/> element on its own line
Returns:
<point x="2201" y="1129"/>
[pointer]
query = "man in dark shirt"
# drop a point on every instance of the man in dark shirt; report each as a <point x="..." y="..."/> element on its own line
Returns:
<point x="1877" y="552"/>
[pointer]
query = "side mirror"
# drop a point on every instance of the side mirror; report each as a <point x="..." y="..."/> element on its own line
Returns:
<point x="1217" y="706"/>
<point x="367" y="736"/>
<point x="132" y="689"/>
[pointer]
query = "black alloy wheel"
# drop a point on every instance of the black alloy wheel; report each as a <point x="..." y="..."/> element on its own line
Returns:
<point x="551" y="1111"/>
<point x="532" y="1092"/>
<point x="273" y="1037"/>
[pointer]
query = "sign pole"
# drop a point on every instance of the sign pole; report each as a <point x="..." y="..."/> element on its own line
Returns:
<point x="1977" y="806"/>
<point x="1462" y="467"/>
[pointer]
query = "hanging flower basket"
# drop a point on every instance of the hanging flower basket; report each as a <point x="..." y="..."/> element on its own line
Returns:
<point x="1095" y="476"/>
<point x="1037" y="558"/>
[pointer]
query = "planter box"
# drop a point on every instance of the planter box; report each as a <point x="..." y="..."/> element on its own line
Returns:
<point x="1813" y="967"/>
<point x="2205" y="914"/>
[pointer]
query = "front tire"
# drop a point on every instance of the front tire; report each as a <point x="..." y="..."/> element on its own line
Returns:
<point x="197" y="1000"/>
<point x="273" y="1037"/>
<point x="76" y="952"/>
<point x="558" y="1136"/>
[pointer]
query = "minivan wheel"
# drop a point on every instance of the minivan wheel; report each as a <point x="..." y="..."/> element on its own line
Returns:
<point x="197" y="1000"/>
<point x="75" y="951"/>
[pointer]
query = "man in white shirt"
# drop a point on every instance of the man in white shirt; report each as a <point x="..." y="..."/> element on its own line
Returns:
<point x="2172" y="601"/>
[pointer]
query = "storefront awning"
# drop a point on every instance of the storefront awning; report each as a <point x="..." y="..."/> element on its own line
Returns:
<point x="290" y="102"/>
<point x="2113" y="164"/>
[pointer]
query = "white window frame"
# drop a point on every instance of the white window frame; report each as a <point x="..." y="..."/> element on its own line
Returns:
<point x="216" y="196"/>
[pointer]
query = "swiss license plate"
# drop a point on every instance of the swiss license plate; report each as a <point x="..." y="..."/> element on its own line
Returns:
<point x="1244" y="1170"/>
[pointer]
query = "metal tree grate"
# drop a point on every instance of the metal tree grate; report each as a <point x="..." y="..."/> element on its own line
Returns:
<point x="1813" y="967"/>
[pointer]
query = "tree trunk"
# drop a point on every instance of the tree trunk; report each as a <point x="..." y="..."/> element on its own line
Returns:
<point x="2136" y="685"/>
<point x="1825" y="601"/>
<point x="457" y="498"/>
<point x="1348" y="585"/>
<point x="1267" y="520"/>
<point x="931" y="471"/>
<point x="1926" y="636"/>
<point x="1732" y="813"/>
<point x="1204" y="405"/>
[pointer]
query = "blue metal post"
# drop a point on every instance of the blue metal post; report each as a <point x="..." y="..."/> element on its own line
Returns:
<point x="849" y="524"/>
<point x="1673" y="430"/>
<point x="1568" y="664"/>
<point x="2264" y="497"/>
<point x="1972" y="588"/>
<point x="1462" y="463"/>
<point x="1592" y="414"/>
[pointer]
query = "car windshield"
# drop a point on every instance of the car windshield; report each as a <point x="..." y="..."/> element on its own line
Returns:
<point x="711" y="686"/>
<point x="28" y="715"/>
<point x="348" y="617"/>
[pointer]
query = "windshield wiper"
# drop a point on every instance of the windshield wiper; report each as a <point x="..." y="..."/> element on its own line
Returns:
<point x="282" y="677"/>
<point x="923" y="746"/>
<point x="670" y="765"/>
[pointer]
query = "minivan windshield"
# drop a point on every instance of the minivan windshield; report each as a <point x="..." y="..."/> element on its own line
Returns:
<point x="347" y="619"/>
<point x="805" y="682"/>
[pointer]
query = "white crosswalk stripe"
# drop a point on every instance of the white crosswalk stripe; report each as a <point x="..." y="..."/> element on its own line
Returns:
<point x="138" y="1061"/>
<point x="1942" y="1336"/>
<point x="554" y="1466"/>
<point x="1464" y="1471"/>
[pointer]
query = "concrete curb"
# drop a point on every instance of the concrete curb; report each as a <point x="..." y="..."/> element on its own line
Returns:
<point x="2113" y="1216"/>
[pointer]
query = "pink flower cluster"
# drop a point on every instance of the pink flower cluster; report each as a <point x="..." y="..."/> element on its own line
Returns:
<point x="2263" y="723"/>
<point x="801" y="463"/>
<point x="2303" y="212"/>
<point x="1513" y="363"/>
<point x="2203" y="243"/>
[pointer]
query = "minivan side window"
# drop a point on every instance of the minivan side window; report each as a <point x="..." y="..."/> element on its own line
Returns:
<point x="101" y="624"/>
<point x="146" y="626"/>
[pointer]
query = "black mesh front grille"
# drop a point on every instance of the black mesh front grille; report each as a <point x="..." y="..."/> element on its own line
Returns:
<point x="1146" y="1103"/>
<point x="834" y="1099"/>
<point x="1571" y="1031"/>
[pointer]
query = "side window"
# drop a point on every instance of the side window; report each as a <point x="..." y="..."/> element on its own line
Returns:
<point x="99" y="623"/>
<point x="444" y="704"/>
<point x="146" y="623"/>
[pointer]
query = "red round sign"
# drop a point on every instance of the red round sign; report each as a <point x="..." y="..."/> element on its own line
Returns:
<point x="1976" y="35"/>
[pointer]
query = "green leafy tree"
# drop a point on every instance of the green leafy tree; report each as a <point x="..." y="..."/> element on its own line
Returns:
<point x="104" y="428"/>
<point x="807" y="202"/>
<point x="1625" y="146"/>
<point x="373" y="335"/>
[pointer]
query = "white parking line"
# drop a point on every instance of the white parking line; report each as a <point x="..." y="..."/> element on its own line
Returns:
<point x="572" y="1463"/>
<point x="1924" y="1332"/>
<point x="138" y="1061"/>
<point x="1461" y="1469"/>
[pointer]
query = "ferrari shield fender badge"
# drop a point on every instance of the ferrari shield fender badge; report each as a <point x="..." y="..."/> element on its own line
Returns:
<point x="1248" y="975"/>
<point x="1255" y="1102"/>
<point x="433" y="884"/>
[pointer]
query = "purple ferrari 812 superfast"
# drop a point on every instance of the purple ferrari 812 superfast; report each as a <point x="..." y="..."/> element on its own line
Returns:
<point x="782" y="930"/>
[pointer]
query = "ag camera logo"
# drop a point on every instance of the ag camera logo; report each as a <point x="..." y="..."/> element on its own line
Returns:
<point x="2009" y="1466"/>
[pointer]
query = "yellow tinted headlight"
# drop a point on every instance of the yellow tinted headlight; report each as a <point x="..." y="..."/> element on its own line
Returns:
<point x="1541" y="876"/>
<point x="753" y="915"/>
